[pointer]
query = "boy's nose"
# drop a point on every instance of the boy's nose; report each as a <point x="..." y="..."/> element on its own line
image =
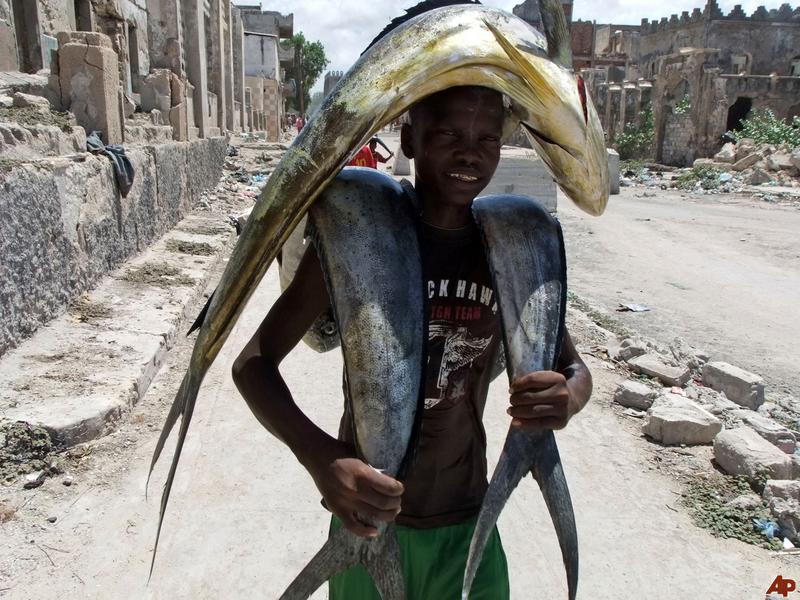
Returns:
<point x="467" y="152"/>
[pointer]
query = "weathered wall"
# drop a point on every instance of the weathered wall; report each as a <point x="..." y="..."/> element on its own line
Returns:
<point x="261" y="56"/>
<point x="63" y="225"/>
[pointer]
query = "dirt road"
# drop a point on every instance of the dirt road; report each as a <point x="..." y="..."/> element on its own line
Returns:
<point x="721" y="273"/>
<point x="244" y="517"/>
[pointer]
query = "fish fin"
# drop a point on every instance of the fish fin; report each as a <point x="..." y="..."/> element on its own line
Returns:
<point x="511" y="468"/>
<point x="549" y="474"/>
<point x="559" y="41"/>
<point x="183" y="404"/>
<point x="539" y="80"/>
<point x="380" y="556"/>
<point x="198" y="322"/>
<point x="415" y="11"/>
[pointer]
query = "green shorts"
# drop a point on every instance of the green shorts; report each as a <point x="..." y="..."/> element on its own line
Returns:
<point x="433" y="566"/>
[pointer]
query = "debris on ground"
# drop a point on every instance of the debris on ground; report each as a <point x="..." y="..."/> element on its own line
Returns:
<point x="27" y="450"/>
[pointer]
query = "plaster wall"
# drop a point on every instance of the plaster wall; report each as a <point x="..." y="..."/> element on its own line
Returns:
<point x="261" y="56"/>
<point x="65" y="224"/>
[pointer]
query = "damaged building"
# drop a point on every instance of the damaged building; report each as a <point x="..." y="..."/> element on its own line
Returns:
<point x="168" y="79"/>
<point x="700" y="73"/>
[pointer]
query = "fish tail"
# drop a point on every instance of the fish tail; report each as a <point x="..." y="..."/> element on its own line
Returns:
<point x="549" y="474"/>
<point x="182" y="405"/>
<point x="380" y="557"/>
<point x="511" y="468"/>
<point x="536" y="453"/>
<point x="554" y="21"/>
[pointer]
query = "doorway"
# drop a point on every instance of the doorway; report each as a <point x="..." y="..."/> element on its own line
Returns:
<point x="26" y="26"/>
<point x="738" y="113"/>
<point x="83" y="15"/>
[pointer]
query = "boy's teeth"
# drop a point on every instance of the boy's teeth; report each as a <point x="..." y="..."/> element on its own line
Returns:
<point x="462" y="177"/>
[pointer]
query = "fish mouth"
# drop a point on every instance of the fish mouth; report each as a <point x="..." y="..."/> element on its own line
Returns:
<point x="544" y="140"/>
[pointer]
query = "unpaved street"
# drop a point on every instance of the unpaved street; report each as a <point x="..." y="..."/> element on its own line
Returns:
<point x="719" y="272"/>
<point x="244" y="518"/>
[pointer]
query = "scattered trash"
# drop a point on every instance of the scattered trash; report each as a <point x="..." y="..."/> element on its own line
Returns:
<point x="632" y="412"/>
<point x="233" y="150"/>
<point x="258" y="178"/>
<point x="633" y="308"/>
<point x="768" y="528"/>
<point x="787" y="544"/>
<point x="678" y="391"/>
<point x="123" y="168"/>
<point x="68" y="480"/>
<point x="34" y="480"/>
<point x="725" y="177"/>
<point x="52" y="519"/>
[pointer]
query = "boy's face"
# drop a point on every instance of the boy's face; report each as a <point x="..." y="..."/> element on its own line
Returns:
<point x="455" y="138"/>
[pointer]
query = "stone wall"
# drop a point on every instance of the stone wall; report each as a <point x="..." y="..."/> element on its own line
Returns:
<point x="678" y="142"/>
<point x="65" y="225"/>
<point x="262" y="55"/>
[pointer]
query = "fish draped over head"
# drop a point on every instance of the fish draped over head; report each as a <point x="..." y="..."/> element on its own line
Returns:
<point x="467" y="44"/>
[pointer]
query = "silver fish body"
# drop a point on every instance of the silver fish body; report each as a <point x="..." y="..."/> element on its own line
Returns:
<point x="366" y="239"/>
<point x="525" y="249"/>
<point x="461" y="45"/>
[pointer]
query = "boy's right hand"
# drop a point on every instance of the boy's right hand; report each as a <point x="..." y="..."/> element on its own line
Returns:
<point x="355" y="492"/>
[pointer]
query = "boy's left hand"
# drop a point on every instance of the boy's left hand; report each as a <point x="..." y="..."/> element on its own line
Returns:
<point x="540" y="401"/>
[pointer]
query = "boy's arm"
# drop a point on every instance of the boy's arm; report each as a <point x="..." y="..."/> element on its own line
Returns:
<point x="347" y="484"/>
<point x="549" y="399"/>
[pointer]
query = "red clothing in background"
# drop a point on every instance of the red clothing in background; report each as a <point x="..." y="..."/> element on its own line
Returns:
<point x="364" y="158"/>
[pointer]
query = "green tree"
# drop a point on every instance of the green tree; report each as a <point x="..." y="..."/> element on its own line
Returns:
<point x="309" y="63"/>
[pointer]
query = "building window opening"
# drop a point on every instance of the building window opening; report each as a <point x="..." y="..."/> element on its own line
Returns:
<point x="83" y="15"/>
<point x="794" y="71"/>
<point x="739" y="64"/>
<point x="133" y="58"/>
<point x="738" y="113"/>
<point x="26" y="26"/>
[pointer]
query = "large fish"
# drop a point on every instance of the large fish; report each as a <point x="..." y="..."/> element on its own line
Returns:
<point x="443" y="48"/>
<point x="367" y="242"/>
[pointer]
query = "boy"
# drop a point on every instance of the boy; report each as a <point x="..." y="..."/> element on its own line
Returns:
<point x="455" y="139"/>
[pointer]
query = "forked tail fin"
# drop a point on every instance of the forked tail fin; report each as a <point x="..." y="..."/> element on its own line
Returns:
<point x="380" y="556"/>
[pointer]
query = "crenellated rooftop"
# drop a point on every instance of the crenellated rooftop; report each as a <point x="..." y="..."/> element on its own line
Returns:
<point x="712" y="12"/>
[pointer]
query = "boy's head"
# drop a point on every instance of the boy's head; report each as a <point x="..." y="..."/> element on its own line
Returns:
<point x="454" y="137"/>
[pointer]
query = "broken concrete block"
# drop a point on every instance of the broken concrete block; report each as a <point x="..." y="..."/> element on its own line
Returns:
<point x="745" y="147"/>
<point x="157" y="91"/>
<point x="6" y="101"/>
<point x="675" y="420"/>
<point x="653" y="366"/>
<point x="747" y="162"/>
<point x="613" y="171"/>
<point x="787" y="489"/>
<point x="629" y="348"/>
<point x="633" y="394"/>
<point x="743" y="388"/>
<point x="795" y="159"/>
<point x="88" y="71"/>
<point x="770" y="430"/>
<point x="742" y="451"/>
<point x="128" y="106"/>
<point x="21" y="100"/>
<point x="402" y="164"/>
<point x="727" y="154"/>
<point x="703" y="162"/>
<point x="745" y="502"/>
<point x="787" y="514"/>
<point x="780" y="161"/>
<point x="758" y="176"/>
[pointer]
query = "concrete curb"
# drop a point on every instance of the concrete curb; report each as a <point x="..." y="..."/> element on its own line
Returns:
<point x="80" y="373"/>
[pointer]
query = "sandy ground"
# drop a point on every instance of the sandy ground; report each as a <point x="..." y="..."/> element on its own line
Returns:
<point x="244" y="517"/>
<point x="720" y="272"/>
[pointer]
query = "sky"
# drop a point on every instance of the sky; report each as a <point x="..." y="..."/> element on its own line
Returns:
<point x="345" y="27"/>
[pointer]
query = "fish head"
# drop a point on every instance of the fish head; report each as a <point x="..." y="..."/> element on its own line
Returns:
<point x="553" y="107"/>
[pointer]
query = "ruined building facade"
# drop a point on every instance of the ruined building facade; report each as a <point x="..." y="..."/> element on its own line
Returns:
<point x="181" y="61"/>
<point x="700" y="73"/>
<point x="169" y="80"/>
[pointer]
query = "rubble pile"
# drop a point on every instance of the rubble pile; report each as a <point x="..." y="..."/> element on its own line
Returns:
<point x="759" y="165"/>
<point x="737" y="168"/>
<point x="685" y="398"/>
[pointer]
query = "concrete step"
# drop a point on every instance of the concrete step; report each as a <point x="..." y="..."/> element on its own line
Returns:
<point x="84" y="370"/>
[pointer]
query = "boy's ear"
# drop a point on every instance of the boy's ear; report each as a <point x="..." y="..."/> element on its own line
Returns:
<point x="405" y="140"/>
